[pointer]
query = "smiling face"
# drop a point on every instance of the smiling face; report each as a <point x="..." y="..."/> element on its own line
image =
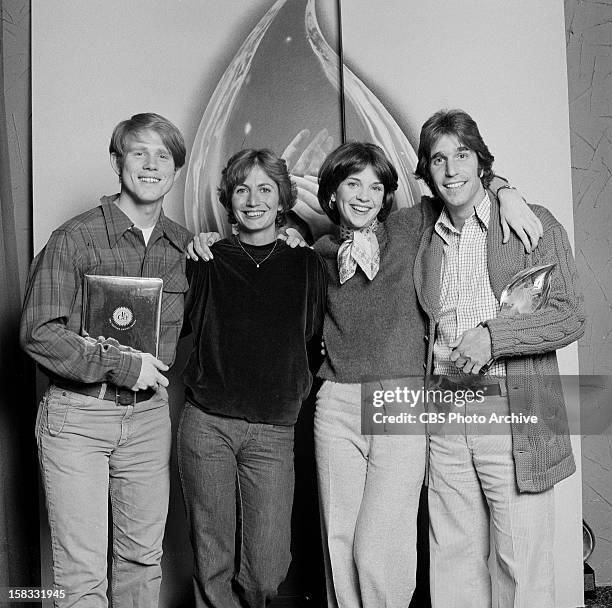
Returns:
<point x="255" y="203"/>
<point x="146" y="169"/>
<point x="359" y="198"/>
<point x="455" y="173"/>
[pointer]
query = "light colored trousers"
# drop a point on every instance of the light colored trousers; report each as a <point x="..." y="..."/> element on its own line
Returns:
<point x="472" y="489"/>
<point x="369" y="488"/>
<point x="89" y="448"/>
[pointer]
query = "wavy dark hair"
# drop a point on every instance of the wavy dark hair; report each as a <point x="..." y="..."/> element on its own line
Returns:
<point x="240" y="165"/>
<point x="460" y="124"/>
<point x="167" y="131"/>
<point x="350" y="158"/>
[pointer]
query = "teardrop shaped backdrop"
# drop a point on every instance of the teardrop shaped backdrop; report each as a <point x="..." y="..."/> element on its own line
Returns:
<point x="281" y="91"/>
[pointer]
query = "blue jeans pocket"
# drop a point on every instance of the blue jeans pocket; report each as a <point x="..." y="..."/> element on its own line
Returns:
<point x="58" y="403"/>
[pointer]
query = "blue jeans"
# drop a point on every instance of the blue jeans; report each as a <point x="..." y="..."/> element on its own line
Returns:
<point x="89" y="448"/>
<point x="237" y="480"/>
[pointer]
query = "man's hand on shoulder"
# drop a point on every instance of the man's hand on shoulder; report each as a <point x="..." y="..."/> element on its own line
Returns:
<point x="200" y="246"/>
<point x="150" y="376"/>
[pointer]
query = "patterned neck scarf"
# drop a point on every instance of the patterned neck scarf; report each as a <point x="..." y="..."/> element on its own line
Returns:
<point x="360" y="248"/>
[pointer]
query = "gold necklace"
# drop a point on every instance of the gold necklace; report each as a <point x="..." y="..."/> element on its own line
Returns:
<point x="258" y="264"/>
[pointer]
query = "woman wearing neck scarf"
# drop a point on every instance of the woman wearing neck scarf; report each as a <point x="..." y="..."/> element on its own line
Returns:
<point x="369" y="485"/>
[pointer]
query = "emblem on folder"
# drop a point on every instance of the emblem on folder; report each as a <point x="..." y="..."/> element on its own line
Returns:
<point x="122" y="318"/>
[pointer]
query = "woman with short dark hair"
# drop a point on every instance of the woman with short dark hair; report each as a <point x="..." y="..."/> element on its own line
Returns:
<point x="369" y="485"/>
<point x="252" y="309"/>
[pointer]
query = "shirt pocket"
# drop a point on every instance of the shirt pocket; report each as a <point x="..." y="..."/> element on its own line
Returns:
<point x="173" y="303"/>
<point x="173" y="297"/>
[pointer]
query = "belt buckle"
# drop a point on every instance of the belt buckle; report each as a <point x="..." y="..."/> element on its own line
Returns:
<point x="495" y="389"/>
<point x="121" y="400"/>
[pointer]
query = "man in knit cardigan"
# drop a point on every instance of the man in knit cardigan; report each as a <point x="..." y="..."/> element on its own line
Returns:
<point x="505" y="471"/>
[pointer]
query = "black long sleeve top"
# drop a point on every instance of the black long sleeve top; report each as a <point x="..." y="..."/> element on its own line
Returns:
<point x="251" y="326"/>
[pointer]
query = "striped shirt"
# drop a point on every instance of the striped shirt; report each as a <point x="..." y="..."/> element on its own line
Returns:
<point x="466" y="297"/>
<point x="101" y="241"/>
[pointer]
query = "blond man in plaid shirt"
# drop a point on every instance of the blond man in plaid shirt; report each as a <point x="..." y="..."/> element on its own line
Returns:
<point x="503" y="473"/>
<point x="103" y="425"/>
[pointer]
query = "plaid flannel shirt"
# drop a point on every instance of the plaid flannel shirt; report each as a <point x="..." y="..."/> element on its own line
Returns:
<point x="101" y="241"/>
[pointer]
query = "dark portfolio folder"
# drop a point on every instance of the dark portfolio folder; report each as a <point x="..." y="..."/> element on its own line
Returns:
<point x="127" y="309"/>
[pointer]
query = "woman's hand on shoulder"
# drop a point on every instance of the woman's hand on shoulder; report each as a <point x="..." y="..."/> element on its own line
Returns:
<point x="292" y="237"/>
<point x="516" y="215"/>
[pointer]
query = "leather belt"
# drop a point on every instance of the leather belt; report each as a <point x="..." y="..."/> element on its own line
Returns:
<point x="468" y="383"/>
<point x="108" y="392"/>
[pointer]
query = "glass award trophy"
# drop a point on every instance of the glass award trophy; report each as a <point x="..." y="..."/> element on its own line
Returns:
<point x="527" y="292"/>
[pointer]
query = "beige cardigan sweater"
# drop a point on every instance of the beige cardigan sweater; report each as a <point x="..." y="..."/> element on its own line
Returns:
<point x="542" y="452"/>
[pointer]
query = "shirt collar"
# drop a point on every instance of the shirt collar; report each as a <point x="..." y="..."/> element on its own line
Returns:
<point x="482" y="214"/>
<point x="170" y="231"/>
<point x="117" y="223"/>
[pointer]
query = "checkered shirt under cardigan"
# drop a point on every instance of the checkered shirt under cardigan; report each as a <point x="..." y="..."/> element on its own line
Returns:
<point x="466" y="297"/>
